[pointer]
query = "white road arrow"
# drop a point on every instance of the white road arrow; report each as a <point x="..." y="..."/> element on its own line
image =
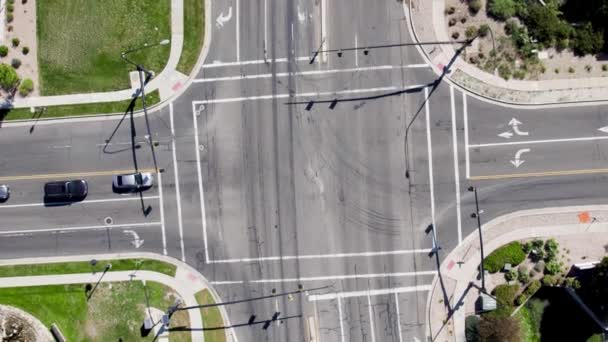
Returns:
<point x="518" y="161"/>
<point x="222" y="19"/>
<point x="603" y="129"/>
<point x="137" y="242"/>
<point x="506" y="135"/>
<point x="515" y="124"/>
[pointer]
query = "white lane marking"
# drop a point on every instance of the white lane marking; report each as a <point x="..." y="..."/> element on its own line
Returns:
<point x="356" y="51"/>
<point x="312" y="94"/>
<point x="532" y="142"/>
<point x="325" y="44"/>
<point x="180" y="225"/>
<point x="430" y="157"/>
<point x="515" y="124"/>
<point x="68" y="229"/>
<point x="321" y="256"/>
<point x="346" y="277"/>
<point x="371" y="318"/>
<point x="398" y="317"/>
<point x="109" y="200"/>
<point x="265" y="30"/>
<point x="161" y="203"/>
<point x="222" y="19"/>
<point x="227" y="282"/>
<point x="456" y="166"/>
<point x="506" y="135"/>
<point x="375" y="292"/>
<point x="466" y="135"/>
<point x="200" y="183"/>
<point x="518" y="161"/>
<point x="137" y="242"/>
<point x="238" y="32"/>
<point x="217" y="64"/>
<point x="603" y="129"/>
<point x="305" y="73"/>
<point x="341" y="318"/>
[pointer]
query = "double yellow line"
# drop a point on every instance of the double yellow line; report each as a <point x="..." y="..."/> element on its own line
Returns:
<point x="542" y="174"/>
<point x="73" y="175"/>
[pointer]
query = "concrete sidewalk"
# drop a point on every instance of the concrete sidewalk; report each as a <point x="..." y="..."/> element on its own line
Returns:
<point x="187" y="281"/>
<point x="169" y="82"/>
<point x="427" y="23"/>
<point x="461" y="266"/>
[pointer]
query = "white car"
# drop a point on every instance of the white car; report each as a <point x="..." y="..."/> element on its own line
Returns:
<point x="133" y="182"/>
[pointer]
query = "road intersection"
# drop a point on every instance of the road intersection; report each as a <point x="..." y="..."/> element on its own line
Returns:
<point x="279" y="173"/>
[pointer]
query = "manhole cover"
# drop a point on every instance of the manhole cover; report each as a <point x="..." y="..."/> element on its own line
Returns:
<point x="201" y="147"/>
<point x="108" y="220"/>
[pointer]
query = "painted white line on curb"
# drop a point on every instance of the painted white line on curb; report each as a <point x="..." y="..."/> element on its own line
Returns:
<point x="305" y="73"/>
<point x="466" y="135"/>
<point x="68" y="229"/>
<point x="200" y="183"/>
<point x="108" y="200"/>
<point x="376" y="292"/>
<point x="346" y="277"/>
<point x="311" y="94"/>
<point x="533" y="142"/>
<point x="341" y="318"/>
<point x="321" y="256"/>
<point x="161" y="203"/>
<point x="398" y="317"/>
<point x="429" y="145"/>
<point x="456" y="166"/>
<point x="180" y="225"/>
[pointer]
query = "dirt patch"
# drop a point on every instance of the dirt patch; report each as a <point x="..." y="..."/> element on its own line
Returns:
<point x="17" y="325"/>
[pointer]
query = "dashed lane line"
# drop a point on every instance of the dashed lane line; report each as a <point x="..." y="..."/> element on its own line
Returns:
<point x="81" y="228"/>
<point x="371" y="292"/>
<point x="109" y="200"/>
<point x="73" y="174"/>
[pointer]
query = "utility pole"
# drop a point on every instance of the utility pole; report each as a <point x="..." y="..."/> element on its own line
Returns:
<point x="105" y="270"/>
<point x="476" y="215"/>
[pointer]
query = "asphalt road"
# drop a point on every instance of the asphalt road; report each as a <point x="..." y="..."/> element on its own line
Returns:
<point x="279" y="174"/>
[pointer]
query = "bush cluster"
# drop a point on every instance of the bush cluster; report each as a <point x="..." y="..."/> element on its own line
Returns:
<point x="26" y="87"/>
<point x="511" y="253"/>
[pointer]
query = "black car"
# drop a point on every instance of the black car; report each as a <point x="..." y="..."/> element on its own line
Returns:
<point x="73" y="190"/>
<point x="5" y="193"/>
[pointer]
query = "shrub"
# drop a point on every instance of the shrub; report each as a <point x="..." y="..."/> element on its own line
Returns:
<point x="455" y="35"/>
<point x="553" y="267"/>
<point x="588" y="68"/>
<point x="556" y="70"/>
<point x="521" y="299"/>
<point x="16" y="63"/>
<point x="484" y="29"/>
<point x="505" y="294"/>
<point x="526" y="247"/>
<point x="452" y="22"/>
<point x="471" y="328"/>
<point x="539" y="266"/>
<point x="3" y="50"/>
<point x="10" y="28"/>
<point x="511" y="253"/>
<point x="25" y="50"/>
<point x="9" y="17"/>
<point x="511" y="275"/>
<point x="519" y="74"/>
<point x="503" y="329"/>
<point x="11" y="1"/>
<point x="474" y="6"/>
<point x="551" y="249"/>
<point x="8" y="77"/>
<point x="463" y="20"/>
<point x="523" y="275"/>
<point x="15" y="42"/>
<point x="471" y="32"/>
<point x="586" y="41"/>
<point x="537" y="244"/>
<point x="24" y="1"/>
<point x="604" y="67"/>
<point x="545" y="24"/>
<point x="571" y="282"/>
<point x="549" y="280"/>
<point x="571" y="70"/>
<point x="504" y="70"/>
<point x="533" y="273"/>
<point x="10" y="8"/>
<point x="502" y="9"/>
<point x="450" y="10"/>
<point x="26" y="87"/>
<point x="534" y="286"/>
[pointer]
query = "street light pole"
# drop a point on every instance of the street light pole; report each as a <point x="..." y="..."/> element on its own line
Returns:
<point x="142" y="84"/>
<point x="476" y="215"/>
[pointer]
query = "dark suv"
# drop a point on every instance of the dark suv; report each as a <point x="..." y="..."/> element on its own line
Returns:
<point x="73" y="190"/>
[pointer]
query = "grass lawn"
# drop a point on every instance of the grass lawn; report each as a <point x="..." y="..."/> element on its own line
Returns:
<point x="529" y="328"/>
<point x="80" y="41"/>
<point x="194" y="32"/>
<point x="115" y="312"/>
<point x="85" y="267"/>
<point x="80" y="109"/>
<point x="211" y="318"/>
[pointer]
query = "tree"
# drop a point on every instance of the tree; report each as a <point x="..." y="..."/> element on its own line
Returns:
<point x="599" y="284"/>
<point x="587" y="41"/>
<point x="502" y="9"/>
<point x="8" y="77"/>
<point x="471" y="331"/>
<point x="503" y="329"/>
<point x="545" y="24"/>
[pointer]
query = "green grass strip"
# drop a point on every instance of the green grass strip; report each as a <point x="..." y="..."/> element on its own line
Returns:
<point x="79" y="109"/>
<point x="212" y="318"/>
<point x="194" y="33"/>
<point x="85" y="267"/>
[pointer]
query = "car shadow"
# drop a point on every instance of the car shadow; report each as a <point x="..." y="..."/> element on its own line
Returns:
<point x="53" y="202"/>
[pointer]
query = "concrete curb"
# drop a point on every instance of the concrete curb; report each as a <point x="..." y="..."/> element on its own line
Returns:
<point x="413" y="34"/>
<point x="541" y="226"/>
<point x="231" y="335"/>
<point x="136" y="114"/>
